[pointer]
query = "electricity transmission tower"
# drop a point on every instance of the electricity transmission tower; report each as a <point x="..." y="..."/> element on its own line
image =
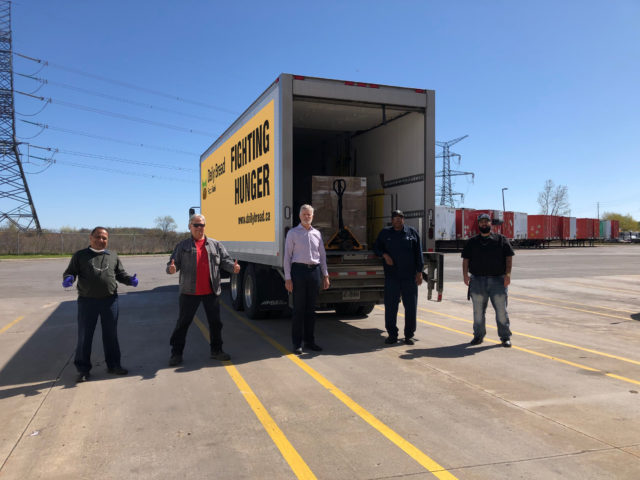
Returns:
<point x="16" y="204"/>
<point x="446" y="193"/>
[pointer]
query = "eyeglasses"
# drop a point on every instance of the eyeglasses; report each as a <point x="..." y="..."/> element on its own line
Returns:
<point x="198" y="225"/>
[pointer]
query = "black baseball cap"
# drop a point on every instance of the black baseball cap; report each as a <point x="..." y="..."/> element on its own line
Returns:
<point x="484" y="216"/>
<point x="397" y="213"/>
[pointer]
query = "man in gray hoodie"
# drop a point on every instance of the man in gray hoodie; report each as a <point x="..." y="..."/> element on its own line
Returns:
<point x="199" y="259"/>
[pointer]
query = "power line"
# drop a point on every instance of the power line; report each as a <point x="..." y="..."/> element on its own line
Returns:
<point x="112" y="170"/>
<point x="116" y="115"/>
<point x="125" y="84"/>
<point x="44" y="81"/>
<point x="112" y="158"/>
<point x="109" y="139"/>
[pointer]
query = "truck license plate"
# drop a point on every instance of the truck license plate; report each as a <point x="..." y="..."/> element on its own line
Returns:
<point x="351" y="294"/>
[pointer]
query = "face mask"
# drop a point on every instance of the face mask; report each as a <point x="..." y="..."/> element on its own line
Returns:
<point x="485" y="229"/>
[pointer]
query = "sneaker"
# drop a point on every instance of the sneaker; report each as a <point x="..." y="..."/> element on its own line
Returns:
<point x="176" y="359"/>
<point x="408" y="341"/>
<point x="391" y="340"/>
<point x="506" y="343"/>
<point x="83" y="377"/>
<point x="297" y="350"/>
<point x="476" y="341"/>
<point x="117" y="371"/>
<point x="220" y="355"/>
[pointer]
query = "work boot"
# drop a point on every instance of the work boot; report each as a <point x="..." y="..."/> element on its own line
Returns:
<point x="176" y="359"/>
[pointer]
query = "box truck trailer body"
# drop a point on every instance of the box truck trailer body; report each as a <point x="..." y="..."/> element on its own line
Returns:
<point x="466" y="224"/>
<point x="260" y="171"/>
<point x="445" y="223"/>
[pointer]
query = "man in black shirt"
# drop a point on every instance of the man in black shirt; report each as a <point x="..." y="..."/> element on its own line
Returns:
<point x="489" y="257"/>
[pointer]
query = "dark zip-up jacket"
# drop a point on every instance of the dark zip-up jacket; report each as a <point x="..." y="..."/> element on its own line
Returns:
<point x="185" y="258"/>
<point x="97" y="273"/>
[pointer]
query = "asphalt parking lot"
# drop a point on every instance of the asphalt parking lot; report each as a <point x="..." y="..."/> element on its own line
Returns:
<point x="562" y="403"/>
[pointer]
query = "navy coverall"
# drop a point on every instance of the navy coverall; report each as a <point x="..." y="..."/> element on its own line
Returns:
<point x="405" y="250"/>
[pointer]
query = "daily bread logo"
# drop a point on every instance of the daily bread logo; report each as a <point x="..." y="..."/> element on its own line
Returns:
<point x="237" y="181"/>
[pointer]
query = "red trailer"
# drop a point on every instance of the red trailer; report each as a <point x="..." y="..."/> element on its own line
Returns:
<point x="615" y="229"/>
<point x="466" y="223"/>
<point x="584" y="228"/>
<point x="542" y="227"/>
<point x="596" y="228"/>
<point x="565" y="228"/>
<point x="507" y="225"/>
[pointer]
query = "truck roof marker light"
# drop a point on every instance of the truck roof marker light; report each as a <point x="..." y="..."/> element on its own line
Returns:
<point x="298" y="77"/>
<point x="351" y="84"/>
<point x="373" y="85"/>
<point x="420" y="90"/>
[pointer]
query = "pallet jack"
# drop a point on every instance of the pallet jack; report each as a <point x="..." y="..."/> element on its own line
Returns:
<point x="343" y="239"/>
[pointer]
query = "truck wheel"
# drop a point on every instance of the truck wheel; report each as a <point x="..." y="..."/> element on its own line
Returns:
<point x="347" y="308"/>
<point x="366" y="309"/>
<point x="250" y="298"/>
<point x="236" y="290"/>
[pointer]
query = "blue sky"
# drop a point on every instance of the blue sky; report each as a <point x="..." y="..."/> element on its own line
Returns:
<point x="545" y="90"/>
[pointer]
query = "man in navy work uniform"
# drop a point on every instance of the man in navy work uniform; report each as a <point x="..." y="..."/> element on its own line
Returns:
<point x="97" y="270"/>
<point x="489" y="258"/>
<point x="305" y="271"/>
<point x="399" y="245"/>
<point x="199" y="260"/>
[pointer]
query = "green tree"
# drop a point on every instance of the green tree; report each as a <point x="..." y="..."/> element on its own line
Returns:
<point x="627" y="222"/>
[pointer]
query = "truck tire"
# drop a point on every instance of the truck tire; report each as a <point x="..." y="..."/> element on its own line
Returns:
<point x="250" y="297"/>
<point x="366" y="309"/>
<point x="347" y="308"/>
<point x="236" y="291"/>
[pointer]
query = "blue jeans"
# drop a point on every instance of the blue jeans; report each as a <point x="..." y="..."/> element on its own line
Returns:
<point x="483" y="288"/>
<point x="394" y="288"/>
<point x="88" y="311"/>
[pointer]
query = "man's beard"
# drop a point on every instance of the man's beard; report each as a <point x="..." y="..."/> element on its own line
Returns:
<point x="484" y="229"/>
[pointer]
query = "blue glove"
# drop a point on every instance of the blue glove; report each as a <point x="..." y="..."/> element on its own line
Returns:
<point x="68" y="281"/>
<point x="134" y="280"/>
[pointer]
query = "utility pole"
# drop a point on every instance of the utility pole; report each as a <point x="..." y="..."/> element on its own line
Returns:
<point x="16" y="204"/>
<point x="446" y="192"/>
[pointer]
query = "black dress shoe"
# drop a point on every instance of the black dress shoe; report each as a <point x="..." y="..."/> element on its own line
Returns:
<point x="476" y="341"/>
<point x="506" y="343"/>
<point x="220" y="355"/>
<point x="175" y="359"/>
<point x="117" y="371"/>
<point x="313" y="346"/>
<point x="391" y="340"/>
<point x="297" y="350"/>
<point x="83" y="377"/>
<point x="408" y="341"/>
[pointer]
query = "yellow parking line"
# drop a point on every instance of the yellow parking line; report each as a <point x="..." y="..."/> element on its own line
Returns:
<point x="532" y="352"/>
<point x="548" y="340"/>
<point x="427" y="462"/>
<point x="511" y="295"/>
<point x="574" y="309"/>
<point x="290" y="454"/>
<point x="8" y="326"/>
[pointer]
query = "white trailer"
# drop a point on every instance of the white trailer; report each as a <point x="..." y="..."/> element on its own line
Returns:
<point x="258" y="173"/>
<point x="445" y="223"/>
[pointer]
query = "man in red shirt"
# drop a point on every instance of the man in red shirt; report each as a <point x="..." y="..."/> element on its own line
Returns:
<point x="199" y="259"/>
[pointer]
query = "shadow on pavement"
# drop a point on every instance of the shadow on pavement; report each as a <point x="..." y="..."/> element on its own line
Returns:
<point x="450" y="351"/>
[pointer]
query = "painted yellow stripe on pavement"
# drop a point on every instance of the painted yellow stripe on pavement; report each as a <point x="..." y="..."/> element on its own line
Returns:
<point x="427" y="462"/>
<point x="571" y="308"/>
<point x="290" y="454"/>
<point x="532" y="352"/>
<point x="542" y="339"/>
<point x="8" y="326"/>
<point x="517" y="295"/>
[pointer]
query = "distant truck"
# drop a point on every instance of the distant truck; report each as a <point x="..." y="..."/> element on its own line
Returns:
<point x="301" y="132"/>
